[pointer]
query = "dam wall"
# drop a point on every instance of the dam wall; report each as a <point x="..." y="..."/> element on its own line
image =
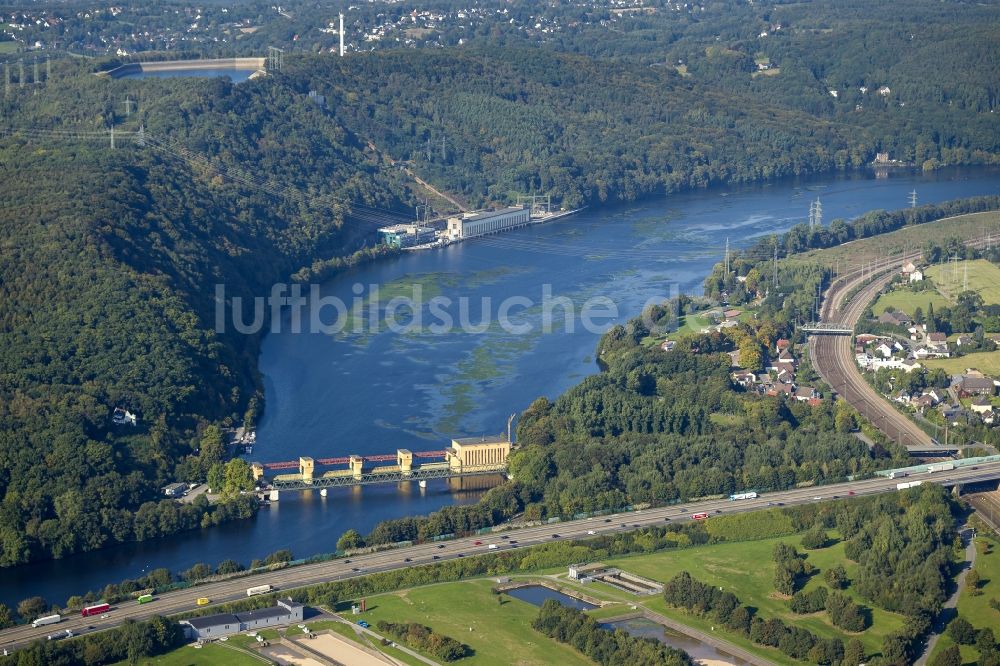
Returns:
<point x="243" y="64"/>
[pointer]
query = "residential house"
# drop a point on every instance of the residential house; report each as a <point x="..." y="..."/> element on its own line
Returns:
<point x="981" y="405"/>
<point x="917" y="331"/>
<point x="781" y="345"/>
<point x="937" y="338"/>
<point x="668" y="345"/>
<point x="964" y="340"/>
<point x="923" y="403"/>
<point x="744" y="378"/>
<point x="895" y="318"/>
<point x="917" y="276"/>
<point x="175" y="490"/>
<point x="969" y="384"/>
<point x="122" y="416"/>
<point x="884" y="350"/>
<point x="734" y="359"/>
<point x="806" y="393"/>
<point x="780" y="388"/>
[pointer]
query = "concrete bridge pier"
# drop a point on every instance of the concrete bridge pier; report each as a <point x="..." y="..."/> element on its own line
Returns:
<point x="357" y="464"/>
<point x="404" y="460"/>
<point x="306" y="468"/>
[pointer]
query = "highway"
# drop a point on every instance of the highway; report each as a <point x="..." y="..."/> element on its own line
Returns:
<point x="310" y="574"/>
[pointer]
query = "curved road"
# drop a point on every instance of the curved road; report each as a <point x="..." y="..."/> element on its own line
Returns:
<point x="180" y="601"/>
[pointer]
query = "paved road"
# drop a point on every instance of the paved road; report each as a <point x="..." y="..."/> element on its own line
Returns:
<point x="952" y="602"/>
<point x="286" y="579"/>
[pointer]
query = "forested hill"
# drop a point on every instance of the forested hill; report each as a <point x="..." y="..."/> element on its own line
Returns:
<point x="490" y="122"/>
<point x="107" y="272"/>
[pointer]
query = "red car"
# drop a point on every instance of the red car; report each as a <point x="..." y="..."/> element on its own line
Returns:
<point x="479" y="543"/>
<point x="850" y="492"/>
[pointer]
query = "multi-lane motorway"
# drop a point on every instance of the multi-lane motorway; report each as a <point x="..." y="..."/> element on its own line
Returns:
<point x="423" y="554"/>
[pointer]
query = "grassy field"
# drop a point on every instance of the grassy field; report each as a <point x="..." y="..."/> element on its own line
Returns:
<point x="908" y="301"/>
<point x="500" y="633"/>
<point x="8" y="47"/>
<point x="212" y="654"/>
<point x="976" y="609"/>
<point x="726" y="565"/>
<point x="850" y="255"/>
<point x="983" y="278"/>
<point x="986" y="362"/>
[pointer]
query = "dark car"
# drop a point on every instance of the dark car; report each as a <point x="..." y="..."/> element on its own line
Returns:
<point x="435" y="557"/>
<point x="355" y="569"/>
<point x="406" y="559"/>
<point x="440" y="545"/>
<point x="347" y="561"/>
<point x="666" y="520"/>
<point x="505" y="537"/>
<point x="555" y="536"/>
<point x="461" y="554"/>
<point x="607" y="520"/>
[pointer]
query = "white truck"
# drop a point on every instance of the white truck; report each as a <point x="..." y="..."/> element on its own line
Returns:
<point x="911" y="484"/>
<point x="48" y="619"/>
<point x="940" y="467"/>
<point x="897" y="475"/>
<point x="743" y="496"/>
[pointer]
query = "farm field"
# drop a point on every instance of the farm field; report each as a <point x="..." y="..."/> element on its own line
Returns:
<point x="986" y="362"/>
<point x="850" y="255"/>
<point x="909" y="301"/>
<point x="976" y="608"/>
<point x="983" y="278"/>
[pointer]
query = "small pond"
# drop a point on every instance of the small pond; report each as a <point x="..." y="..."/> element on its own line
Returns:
<point x="538" y="595"/>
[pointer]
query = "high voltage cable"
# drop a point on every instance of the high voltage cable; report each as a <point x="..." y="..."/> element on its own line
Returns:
<point x="359" y="211"/>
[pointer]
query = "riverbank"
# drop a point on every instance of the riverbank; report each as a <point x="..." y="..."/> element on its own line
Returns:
<point x="417" y="389"/>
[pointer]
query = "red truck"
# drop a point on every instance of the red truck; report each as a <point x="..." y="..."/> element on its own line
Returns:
<point x="96" y="609"/>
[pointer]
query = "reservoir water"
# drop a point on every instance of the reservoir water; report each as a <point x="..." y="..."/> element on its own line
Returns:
<point x="376" y="391"/>
<point x="538" y="595"/>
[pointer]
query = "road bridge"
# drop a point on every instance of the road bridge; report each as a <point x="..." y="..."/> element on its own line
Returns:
<point x="471" y="456"/>
<point x="828" y="328"/>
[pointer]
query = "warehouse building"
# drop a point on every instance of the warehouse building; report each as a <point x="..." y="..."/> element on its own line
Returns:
<point x="212" y="627"/>
<point x="489" y="222"/>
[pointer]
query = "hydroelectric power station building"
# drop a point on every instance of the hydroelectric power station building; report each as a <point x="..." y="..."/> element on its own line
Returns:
<point x="489" y="222"/>
<point x="406" y="235"/>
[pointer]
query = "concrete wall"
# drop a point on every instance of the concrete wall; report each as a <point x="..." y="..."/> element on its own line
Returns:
<point x="171" y="65"/>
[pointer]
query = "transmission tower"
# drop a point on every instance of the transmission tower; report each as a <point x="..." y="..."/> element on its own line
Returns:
<point x="275" y="58"/>
<point x="913" y="199"/>
<point x="128" y="105"/>
<point x="727" y="256"/>
<point x="815" y="214"/>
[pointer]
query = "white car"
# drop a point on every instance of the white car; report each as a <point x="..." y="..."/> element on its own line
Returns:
<point x="591" y="532"/>
<point x="817" y="497"/>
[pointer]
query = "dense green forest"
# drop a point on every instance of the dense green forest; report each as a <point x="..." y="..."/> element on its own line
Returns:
<point x="109" y="265"/>
<point x="111" y="254"/>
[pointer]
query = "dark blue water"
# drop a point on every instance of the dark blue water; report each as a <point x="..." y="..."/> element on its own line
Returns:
<point x="234" y="75"/>
<point x="337" y="394"/>
<point x="538" y="595"/>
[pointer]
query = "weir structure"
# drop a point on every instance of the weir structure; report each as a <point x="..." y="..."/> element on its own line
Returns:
<point x="471" y="456"/>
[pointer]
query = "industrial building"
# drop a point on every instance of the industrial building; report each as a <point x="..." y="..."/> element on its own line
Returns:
<point x="212" y="627"/>
<point x="406" y="235"/>
<point x="472" y="452"/>
<point x="489" y="222"/>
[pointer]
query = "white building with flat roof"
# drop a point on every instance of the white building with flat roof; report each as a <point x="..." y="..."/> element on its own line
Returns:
<point x="488" y="222"/>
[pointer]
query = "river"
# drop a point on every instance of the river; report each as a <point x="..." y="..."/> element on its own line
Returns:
<point x="373" y="392"/>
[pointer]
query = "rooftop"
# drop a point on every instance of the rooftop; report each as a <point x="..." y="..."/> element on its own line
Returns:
<point x="484" y="439"/>
<point x="492" y="213"/>
<point x="207" y="621"/>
